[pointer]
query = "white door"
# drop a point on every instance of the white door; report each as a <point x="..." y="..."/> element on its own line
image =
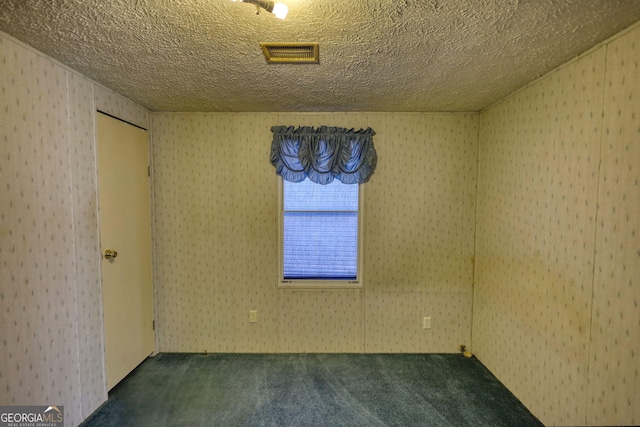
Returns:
<point x="125" y="237"/>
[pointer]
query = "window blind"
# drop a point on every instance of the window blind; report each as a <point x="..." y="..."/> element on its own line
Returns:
<point x="320" y="231"/>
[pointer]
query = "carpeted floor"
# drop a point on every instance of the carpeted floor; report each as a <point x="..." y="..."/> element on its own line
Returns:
<point x="176" y="389"/>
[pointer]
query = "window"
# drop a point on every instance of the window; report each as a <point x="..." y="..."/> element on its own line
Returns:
<point x="322" y="170"/>
<point x="320" y="233"/>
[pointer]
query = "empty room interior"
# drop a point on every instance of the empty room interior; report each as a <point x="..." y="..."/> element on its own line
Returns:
<point x="503" y="214"/>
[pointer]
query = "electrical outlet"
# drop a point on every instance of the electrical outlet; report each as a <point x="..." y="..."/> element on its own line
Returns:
<point x="426" y="322"/>
<point x="253" y="316"/>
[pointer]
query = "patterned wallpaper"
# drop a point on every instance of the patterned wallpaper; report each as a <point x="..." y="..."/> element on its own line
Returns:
<point x="37" y="298"/>
<point x="614" y="371"/>
<point x="194" y="208"/>
<point x="51" y="351"/>
<point x="216" y="238"/>
<point x="420" y="230"/>
<point x="86" y="240"/>
<point x="549" y="329"/>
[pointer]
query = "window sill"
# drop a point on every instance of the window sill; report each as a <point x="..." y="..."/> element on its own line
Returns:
<point x="319" y="284"/>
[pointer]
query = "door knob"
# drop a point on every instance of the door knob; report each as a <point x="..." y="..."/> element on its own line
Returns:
<point x="109" y="254"/>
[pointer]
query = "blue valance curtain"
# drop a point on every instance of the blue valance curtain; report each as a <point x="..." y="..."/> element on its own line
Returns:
<point x="323" y="154"/>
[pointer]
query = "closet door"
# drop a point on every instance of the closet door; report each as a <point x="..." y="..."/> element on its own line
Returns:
<point x="125" y="238"/>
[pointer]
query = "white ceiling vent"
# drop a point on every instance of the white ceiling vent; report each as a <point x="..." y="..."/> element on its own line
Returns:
<point x="291" y="53"/>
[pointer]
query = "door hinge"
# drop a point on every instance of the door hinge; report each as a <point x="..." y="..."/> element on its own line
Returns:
<point x="153" y="324"/>
<point x="148" y="170"/>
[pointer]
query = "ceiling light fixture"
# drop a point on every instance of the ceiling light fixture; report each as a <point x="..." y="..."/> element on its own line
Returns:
<point x="280" y="10"/>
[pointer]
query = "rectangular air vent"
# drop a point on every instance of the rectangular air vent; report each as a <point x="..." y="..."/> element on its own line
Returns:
<point x="291" y="53"/>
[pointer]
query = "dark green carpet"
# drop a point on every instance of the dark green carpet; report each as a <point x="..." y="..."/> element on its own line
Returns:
<point x="311" y="390"/>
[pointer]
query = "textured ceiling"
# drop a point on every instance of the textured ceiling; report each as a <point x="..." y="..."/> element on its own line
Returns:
<point x="383" y="55"/>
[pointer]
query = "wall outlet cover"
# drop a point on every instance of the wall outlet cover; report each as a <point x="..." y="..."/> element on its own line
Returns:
<point x="426" y="322"/>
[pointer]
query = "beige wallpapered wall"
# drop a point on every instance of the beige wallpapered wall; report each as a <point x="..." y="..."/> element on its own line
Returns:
<point x="39" y="359"/>
<point x="216" y="238"/>
<point x="614" y="369"/>
<point x="558" y="198"/>
<point x="51" y="350"/>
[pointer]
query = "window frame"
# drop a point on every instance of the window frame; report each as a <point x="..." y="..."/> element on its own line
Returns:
<point x="318" y="283"/>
